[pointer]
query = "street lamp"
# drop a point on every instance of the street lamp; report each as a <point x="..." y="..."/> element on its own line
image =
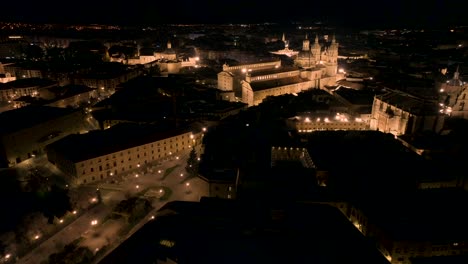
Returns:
<point x="94" y="222"/>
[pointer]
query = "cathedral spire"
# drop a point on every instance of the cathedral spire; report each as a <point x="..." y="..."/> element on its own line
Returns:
<point x="316" y="38"/>
<point x="283" y="38"/>
<point x="333" y="39"/>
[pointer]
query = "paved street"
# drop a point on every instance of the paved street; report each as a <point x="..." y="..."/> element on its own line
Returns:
<point x="96" y="235"/>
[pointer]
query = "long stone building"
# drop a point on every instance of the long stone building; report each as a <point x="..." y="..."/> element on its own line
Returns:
<point x="101" y="154"/>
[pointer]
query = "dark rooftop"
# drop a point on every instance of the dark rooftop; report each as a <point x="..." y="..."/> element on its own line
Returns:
<point x="79" y="147"/>
<point x="29" y="116"/>
<point x="227" y="231"/>
<point x="409" y="103"/>
<point x="282" y="69"/>
<point x="29" y="82"/>
<point x="263" y="85"/>
<point x="70" y="90"/>
<point x="433" y="215"/>
<point x="461" y="259"/>
<point x="357" y="97"/>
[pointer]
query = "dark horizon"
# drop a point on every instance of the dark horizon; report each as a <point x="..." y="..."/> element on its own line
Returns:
<point x="340" y="13"/>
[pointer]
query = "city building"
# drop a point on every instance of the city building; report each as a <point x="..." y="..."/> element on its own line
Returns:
<point x="358" y="102"/>
<point x="218" y="230"/>
<point x="286" y="51"/>
<point x="310" y="122"/>
<point x="25" y="132"/>
<point x="315" y="67"/>
<point x="221" y="182"/>
<point x="400" y="113"/>
<point x="427" y="224"/>
<point x="101" y="154"/>
<point x="6" y="77"/>
<point x="107" y="79"/>
<point x="32" y="87"/>
<point x="72" y="96"/>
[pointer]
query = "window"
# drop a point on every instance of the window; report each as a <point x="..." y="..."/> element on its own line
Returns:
<point x="92" y="169"/>
<point x="100" y="168"/>
<point x="462" y="105"/>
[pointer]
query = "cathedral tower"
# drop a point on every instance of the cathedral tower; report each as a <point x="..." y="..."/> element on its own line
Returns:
<point x="316" y="50"/>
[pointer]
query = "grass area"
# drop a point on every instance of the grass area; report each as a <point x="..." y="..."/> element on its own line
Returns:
<point x="169" y="171"/>
<point x="166" y="195"/>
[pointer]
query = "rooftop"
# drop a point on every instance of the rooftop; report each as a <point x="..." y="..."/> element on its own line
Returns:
<point x="29" y="116"/>
<point x="357" y="97"/>
<point x="409" y="102"/>
<point x="29" y="82"/>
<point x="227" y="231"/>
<point x="283" y="69"/>
<point x="425" y="215"/>
<point x="80" y="147"/>
<point x="264" y="85"/>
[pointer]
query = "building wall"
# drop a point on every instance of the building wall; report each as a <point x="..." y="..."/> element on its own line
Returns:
<point x="225" y="81"/>
<point x="13" y="93"/>
<point x="403" y="122"/>
<point x="252" y="98"/>
<point x="21" y="145"/>
<point x="74" y="101"/>
<point x="126" y="160"/>
<point x="314" y="125"/>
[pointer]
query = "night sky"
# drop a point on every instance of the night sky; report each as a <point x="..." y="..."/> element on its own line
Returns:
<point x="138" y="12"/>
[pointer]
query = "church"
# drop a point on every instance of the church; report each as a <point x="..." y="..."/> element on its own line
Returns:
<point x="315" y="67"/>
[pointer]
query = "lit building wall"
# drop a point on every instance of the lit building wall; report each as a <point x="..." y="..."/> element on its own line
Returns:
<point x="307" y="125"/>
<point x="126" y="160"/>
<point x="7" y="78"/>
<point x="252" y="98"/>
<point x="226" y="81"/>
<point x="394" y="119"/>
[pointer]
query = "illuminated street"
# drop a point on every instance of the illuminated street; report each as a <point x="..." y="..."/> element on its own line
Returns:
<point x="96" y="234"/>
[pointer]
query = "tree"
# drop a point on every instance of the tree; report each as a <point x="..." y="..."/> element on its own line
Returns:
<point x="192" y="162"/>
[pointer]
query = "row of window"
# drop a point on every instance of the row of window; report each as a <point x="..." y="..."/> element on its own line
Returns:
<point x="153" y="145"/>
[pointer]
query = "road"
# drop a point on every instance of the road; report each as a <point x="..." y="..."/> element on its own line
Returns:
<point x="98" y="235"/>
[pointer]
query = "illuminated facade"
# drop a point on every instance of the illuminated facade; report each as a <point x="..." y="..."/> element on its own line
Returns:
<point x="6" y="77"/>
<point x="25" y="87"/>
<point x="252" y="83"/>
<point x="400" y="113"/>
<point x="310" y="123"/>
<point x="460" y="108"/>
